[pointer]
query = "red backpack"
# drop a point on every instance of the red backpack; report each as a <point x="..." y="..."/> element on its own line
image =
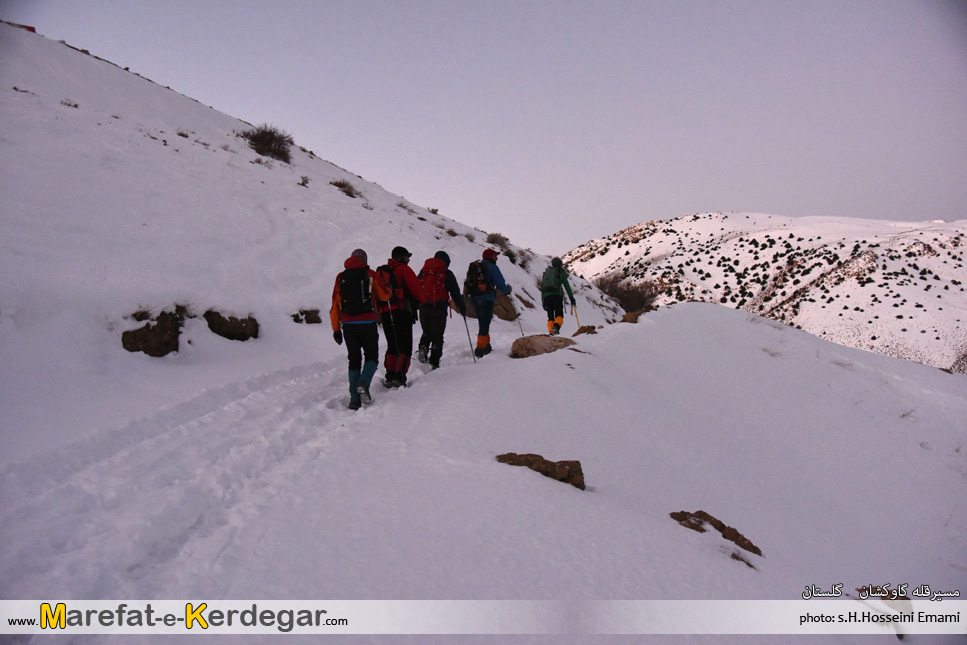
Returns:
<point x="433" y="277"/>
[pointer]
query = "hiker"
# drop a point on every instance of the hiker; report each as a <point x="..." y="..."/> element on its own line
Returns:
<point x="439" y="287"/>
<point x="552" y="295"/>
<point x="399" y="315"/>
<point x="354" y="313"/>
<point x="482" y="287"/>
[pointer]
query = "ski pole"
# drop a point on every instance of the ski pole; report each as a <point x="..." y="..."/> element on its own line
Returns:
<point x="465" y="324"/>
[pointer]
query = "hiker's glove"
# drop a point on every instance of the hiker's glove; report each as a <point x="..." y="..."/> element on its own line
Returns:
<point x="573" y="302"/>
<point x="337" y="336"/>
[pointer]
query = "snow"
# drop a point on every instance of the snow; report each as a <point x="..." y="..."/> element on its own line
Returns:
<point x="234" y="470"/>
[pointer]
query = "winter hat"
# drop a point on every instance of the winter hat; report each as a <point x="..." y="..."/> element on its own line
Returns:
<point x="490" y="254"/>
<point x="441" y="255"/>
<point x="399" y="253"/>
<point x="361" y="254"/>
<point x="557" y="263"/>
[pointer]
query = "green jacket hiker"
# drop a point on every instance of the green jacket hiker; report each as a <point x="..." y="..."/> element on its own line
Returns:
<point x="553" y="285"/>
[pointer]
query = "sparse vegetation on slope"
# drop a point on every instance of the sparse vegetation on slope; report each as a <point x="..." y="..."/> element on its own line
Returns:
<point x="896" y="289"/>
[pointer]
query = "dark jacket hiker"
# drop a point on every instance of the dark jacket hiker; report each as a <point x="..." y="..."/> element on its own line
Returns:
<point x="439" y="288"/>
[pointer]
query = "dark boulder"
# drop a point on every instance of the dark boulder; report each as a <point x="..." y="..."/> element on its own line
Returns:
<point x="232" y="328"/>
<point x="569" y="472"/>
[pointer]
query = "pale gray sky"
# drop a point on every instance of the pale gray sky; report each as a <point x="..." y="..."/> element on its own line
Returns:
<point x="554" y="122"/>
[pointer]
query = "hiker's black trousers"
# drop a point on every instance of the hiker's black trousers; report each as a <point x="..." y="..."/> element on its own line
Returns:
<point x="554" y="305"/>
<point x="362" y="339"/>
<point x="433" y="320"/>
<point x="398" y="327"/>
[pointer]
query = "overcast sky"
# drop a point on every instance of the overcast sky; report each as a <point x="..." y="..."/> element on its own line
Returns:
<point x="554" y="122"/>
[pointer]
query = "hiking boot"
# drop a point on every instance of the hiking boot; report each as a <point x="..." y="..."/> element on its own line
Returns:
<point x="422" y="352"/>
<point x="486" y="350"/>
<point x="354" y="405"/>
<point x="434" y="365"/>
<point x="364" y="394"/>
<point x="555" y="330"/>
<point x="479" y="352"/>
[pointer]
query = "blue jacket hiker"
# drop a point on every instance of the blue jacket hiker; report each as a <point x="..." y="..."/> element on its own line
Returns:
<point x="483" y="282"/>
<point x="355" y="299"/>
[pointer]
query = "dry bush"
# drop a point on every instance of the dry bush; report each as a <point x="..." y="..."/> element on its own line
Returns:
<point x="631" y="297"/>
<point x="346" y="187"/>
<point x="270" y="141"/>
<point x="498" y="240"/>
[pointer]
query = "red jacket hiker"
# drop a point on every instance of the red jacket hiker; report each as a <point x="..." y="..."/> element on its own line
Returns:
<point x="399" y="316"/>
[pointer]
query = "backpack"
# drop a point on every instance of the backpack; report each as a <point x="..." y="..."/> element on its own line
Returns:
<point x="476" y="281"/>
<point x="387" y="273"/>
<point x="552" y="280"/>
<point x="355" y="292"/>
<point x="434" y="283"/>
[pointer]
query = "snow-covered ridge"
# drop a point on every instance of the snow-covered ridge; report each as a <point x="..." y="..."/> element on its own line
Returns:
<point x="895" y="288"/>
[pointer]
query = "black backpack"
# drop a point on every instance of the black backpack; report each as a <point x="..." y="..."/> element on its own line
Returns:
<point x="355" y="291"/>
<point x="389" y="276"/>
<point x="476" y="281"/>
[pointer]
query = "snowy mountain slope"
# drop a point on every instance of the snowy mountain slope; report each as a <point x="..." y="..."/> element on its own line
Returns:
<point x="142" y="199"/>
<point x="233" y="470"/>
<point x="889" y="287"/>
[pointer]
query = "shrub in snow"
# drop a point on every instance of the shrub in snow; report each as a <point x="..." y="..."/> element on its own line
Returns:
<point x="347" y="188"/>
<point x="270" y="141"/>
<point x="498" y="240"/>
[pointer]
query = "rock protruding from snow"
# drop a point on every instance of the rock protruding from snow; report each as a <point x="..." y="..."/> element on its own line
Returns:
<point x="156" y="339"/>
<point x="697" y="521"/>
<point x="569" y="472"/>
<point x="528" y="346"/>
<point x="231" y="327"/>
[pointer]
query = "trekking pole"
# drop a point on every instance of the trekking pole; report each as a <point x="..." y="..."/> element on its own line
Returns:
<point x="396" y="338"/>
<point x="517" y="313"/>
<point x="465" y="324"/>
<point x="574" y="308"/>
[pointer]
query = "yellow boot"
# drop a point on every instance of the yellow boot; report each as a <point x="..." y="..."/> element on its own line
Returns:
<point x="556" y="325"/>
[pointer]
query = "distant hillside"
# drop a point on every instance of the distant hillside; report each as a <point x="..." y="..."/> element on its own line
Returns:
<point x="888" y="287"/>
